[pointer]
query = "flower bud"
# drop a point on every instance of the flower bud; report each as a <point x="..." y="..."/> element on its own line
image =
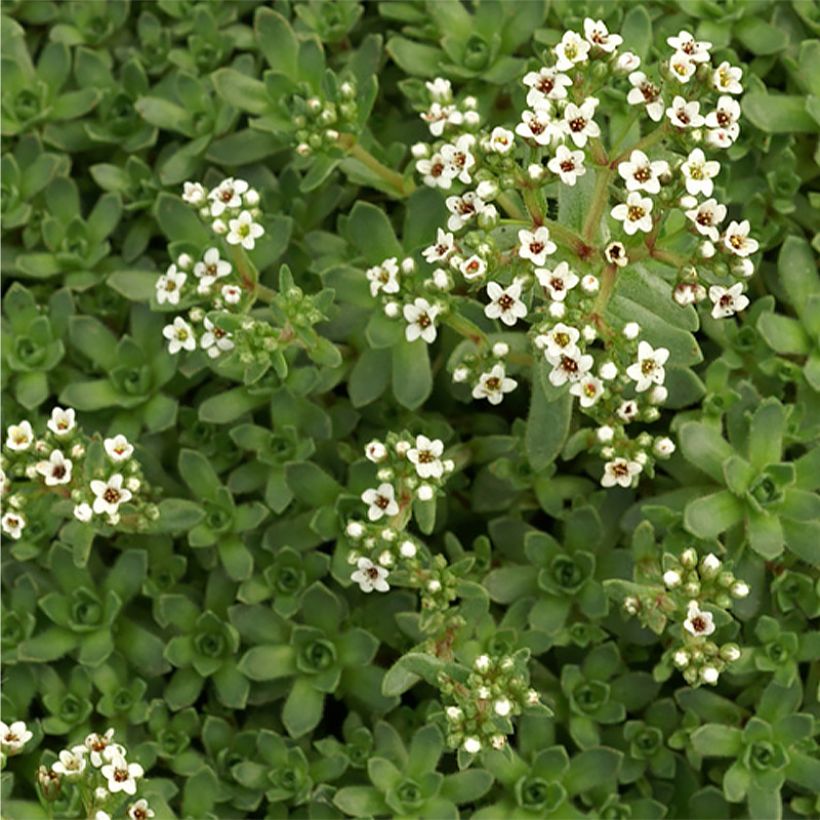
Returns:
<point x="631" y="330"/>
<point x="501" y="349"/>
<point x="671" y="579"/>
<point x="739" y="589"/>
<point x="730" y="652"/>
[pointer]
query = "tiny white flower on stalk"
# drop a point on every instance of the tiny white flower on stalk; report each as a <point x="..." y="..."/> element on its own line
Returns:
<point x="98" y="746"/>
<point x="706" y="217"/>
<point x="140" y="810"/>
<point x="438" y="116"/>
<point x="681" y="659"/>
<point x="20" y="436"/>
<point x="699" y="172"/>
<point x="493" y="385"/>
<point x="440" y="89"/>
<point x="109" y="494"/>
<point x="169" y="286"/>
<point x="212" y="267"/>
<point x="384" y="278"/>
<point x="664" y="447"/>
<point x="436" y="173"/>
<point x="500" y="349"/>
<point x="459" y="158"/>
<point x="425" y="492"/>
<point x="727" y="301"/>
<point x="420" y="317"/>
<point x="118" y="448"/>
<point x="642" y="175"/>
<point x="441" y="250"/>
<point x="545" y="85"/>
<point x="370" y="576"/>
<point x="709" y="674"/>
<point x="473" y="268"/>
<point x="627" y="62"/>
<point x="567" y="164"/>
<point x="536" y="245"/>
<point x="501" y="140"/>
<point x="615" y="254"/>
<point x="695" y="50"/>
<point x="646" y="93"/>
<point x="559" y="340"/>
<point x="578" y="124"/>
<point x="605" y="434"/>
<point x="227" y="195"/>
<point x="572" y="49"/>
<point x="62" y="422"/>
<point x="536" y="125"/>
<point x="743" y="267"/>
<point x="627" y="411"/>
<point x="122" y="776"/>
<point x="375" y="451"/>
<point x="471" y="745"/>
<point x="244" y="231"/>
<point x="739" y="589"/>
<point x="608" y="371"/>
<point x="14" y="737"/>
<point x="558" y="281"/>
<point x="648" y="370"/>
<point x="194" y="193"/>
<point x="463" y="209"/>
<point x="232" y="294"/>
<point x="381" y="501"/>
<point x="720" y="138"/>
<point x="671" y="578"/>
<point x="682" y="67"/>
<point x="726" y="78"/>
<point x="620" y="472"/>
<point x="570" y="366"/>
<point x="426" y="456"/>
<point x="505" y="303"/>
<point x="737" y="239"/>
<point x="215" y="340"/>
<point x="635" y="213"/>
<point x="698" y="623"/>
<point x="709" y="565"/>
<point x="83" y="512"/>
<point x="180" y="336"/>
<point x="56" y="469"/>
<point x="13" y="524"/>
<point x="71" y="763"/>
<point x="597" y="35"/>
<point x="407" y="549"/>
<point x="588" y="389"/>
<point x="502" y="707"/>
<point x="725" y="116"/>
<point x="683" y="114"/>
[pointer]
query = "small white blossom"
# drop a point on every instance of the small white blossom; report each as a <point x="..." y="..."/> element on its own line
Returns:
<point x="493" y="385"/>
<point x="459" y="159"/>
<point x="83" y="512"/>
<point x="122" y="776"/>
<point x="505" y="303"/>
<point x="407" y="549"/>
<point x="698" y="173"/>
<point x="56" y="469"/>
<point x="109" y="494"/>
<point x="215" y="340"/>
<point x="681" y="659"/>
<point x="500" y="349"/>
<point x="627" y="62"/>
<point x="227" y="195"/>
<point x="567" y="164"/>
<point x="615" y="254"/>
<point x="709" y="674"/>
<point x="558" y="281"/>
<point x="608" y="371"/>
<point x="664" y="447"/>
<point x="194" y="193"/>
<point x="436" y="172"/>
<point x="648" y="370"/>
<point x="13" y="524"/>
<point x="169" y="286"/>
<point x="140" y="810"/>
<point x="426" y="456"/>
<point x="698" y="623"/>
<point x="727" y="301"/>
<point x="710" y="564"/>
<point x="739" y="589"/>
<point x="683" y="114"/>
<point x="578" y="124"/>
<point x="463" y="209"/>
<point x="706" y="217"/>
<point x="620" y="472"/>
<point x="438" y="116"/>
<point x="180" y="336"/>
<point x="737" y="239"/>
<point x="482" y="663"/>
<point x="635" y="213"/>
<point x="726" y="78"/>
<point x="572" y="49"/>
<point x="725" y="116"/>
<point x="473" y="268"/>
<point x="501" y="140"/>
<point x="62" y="422"/>
<point x="244" y="231"/>
<point x="232" y="294"/>
<point x="598" y="36"/>
<point x="590" y="283"/>
<point x="20" y="436"/>
<point x="627" y="411"/>
<point x="375" y="451"/>
<point x="71" y="763"/>
<point x="420" y="318"/>
<point x="642" y="175"/>
<point x="502" y="707"/>
<point x="546" y="84"/>
<point x="472" y="745"/>
<point x="671" y="578"/>
<point x="369" y="576"/>
<point x="682" y="67"/>
<point x="381" y="501"/>
<point x="425" y="492"/>
<point x="536" y="125"/>
<point x="646" y="93"/>
<point x="570" y="366"/>
<point x="588" y="389"/>
<point x="559" y="340"/>
<point x="14" y="737"/>
<point x="441" y="250"/>
<point x="118" y="448"/>
<point x="384" y="278"/>
<point x="697" y="51"/>
<point x="211" y="268"/>
<point x="536" y="245"/>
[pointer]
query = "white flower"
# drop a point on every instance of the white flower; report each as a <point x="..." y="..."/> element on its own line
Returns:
<point x="608" y="371"/>
<point x="546" y="84"/>
<point x="375" y="451"/>
<point x="739" y="589"/>
<point x="605" y="434"/>
<point x="212" y="267"/>
<point x="570" y="366"/>
<point x="14" y="737"/>
<point x="683" y="114"/>
<point x="109" y="494"/>
<point x="536" y="245"/>
<point x="635" y="213"/>
<point x="122" y="776"/>
<point x="384" y="277"/>
<point x="19" y="436"/>
<point x="589" y="389"/>
<point x="743" y="267"/>
<point x="681" y="659"/>
<point x="118" y="448"/>
<point x="420" y="318"/>
<point x="482" y="663"/>
<point x="463" y="209"/>
<point x="501" y="140"/>
<point x="737" y="239"/>
<point x="99" y="746"/>
<point x="648" y="370"/>
<point x="697" y="51"/>
<point x="369" y="576"/>
<point x="471" y="745"/>
<point x="535" y="125"/>
<point x="726" y="116"/>
<point x="140" y="810"/>
<point x="571" y="50"/>
<point x="56" y="469"/>
<point x="597" y="34"/>
<point x="627" y="62"/>
<point x="641" y="174"/>
<point x="440" y="89"/>
<point x="459" y="159"/>
<point x="644" y="92"/>
<point x="706" y="217"/>
<point x="441" y="250"/>
<point x="671" y="578"/>
<point x="244" y="231"/>
<point x="13" y="525"/>
<point x="500" y="349"/>
<point x="71" y="763"/>
<point x="62" y="422"/>
<point x="180" y="336"/>
<point x="436" y="172"/>
<point x="727" y="78"/>
<point x="215" y="340"/>
<point x="502" y="707"/>
<point x="720" y="138"/>
<point x="631" y="330"/>
<point x="438" y="116"/>
<point x="425" y="492"/>
<point x="473" y="268"/>
<point x="615" y="254"/>
<point x="697" y="622"/>
<point x="227" y="195"/>
<point x="727" y="301"/>
<point x="493" y="385"/>
<point x="620" y="471"/>
<point x="232" y="294"/>
<point x="83" y="512"/>
<point x="558" y="281"/>
<point x="194" y="193"/>
<point x="682" y="67"/>
<point x="559" y="340"/>
<point x="710" y="564"/>
<point x="426" y="455"/>
<point x="407" y="549"/>
<point x="381" y="502"/>
<point x="578" y="124"/>
<point x="709" y="674"/>
<point x="169" y="286"/>
<point x="698" y="173"/>
<point x="664" y="447"/>
<point x="505" y="303"/>
<point x="567" y="164"/>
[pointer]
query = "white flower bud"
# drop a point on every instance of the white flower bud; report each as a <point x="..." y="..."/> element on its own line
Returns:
<point x="631" y="605"/>
<point x="83" y="512"/>
<point x="453" y="713"/>
<point x="671" y="578"/>
<point x="743" y="267"/>
<point x="386" y="558"/>
<point x="470" y="102"/>
<point x="589" y="333"/>
<point x="604" y="434"/>
<point x="388" y="534"/>
<point x="472" y="745"/>
<point x="590" y="283"/>
<point x="472" y="118"/>
<point x="392" y="310"/>
<point x="688" y="202"/>
<point x="707" y="249"/>
<point x="535" y="171"/>
<point x="730" y="652"/>
<point x="664" y="447"/>
<point x="487" y="190"/>
<point x="461" y="374"/>
<point x="407" y="549"/>
<point x="420" y="150"/>
<point x="184" y="261"/>
<point x="710" y="675"/>
<point x="739" y="589"/>
<point x="385" y="474"/>
<point x="425" y="492"/>
<point x="401" y="448"/>
<point x="408" y="264"/>
<point x="375" y="451"/>
<point x="303" y="149"/>
<point x="710" y="565"/>
<point x="434" y="586"/>
<point x="251" y="197"/>
<point x="631" y="330"/>
<point x="483" y="693"/>
<point x="498" y="742"/>
<point x="681" y="659"/>
<point x="659" y="394"/>
<point x="482" y="663"/>
<point x="501" y="349"/>
<point x="557" y="310"/>
<point x="133" y="484"/>
<point x="640" y="457"/>
<point x="449" y="465"/>
<point x="77" y="451"/>
<point x="219" y="227"/>
<point x="354" y="530"/>
<point x="502" y="707"/>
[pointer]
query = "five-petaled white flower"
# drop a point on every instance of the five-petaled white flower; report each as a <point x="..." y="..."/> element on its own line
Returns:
<point x="558" y="340"/>
<point x="727" y="301"/>
<point x="646" y="93"/>
<point x="215" y="340"/>
<point x="620" y="471"/>
<point x="536" y="125"/>
<point x="598" y="36"/>
<point x="558" y="281"/>
<point x="726" y="78"/>
<point x="648" y="370"/>
<point x="420" y="318"/>
<point x="501" y="140"/>
<point x="14" y="737"/>
<point x="642" y="175"/>
<point x="569" y="366"/>
<point x="426" y="456"/>
<point x="536" y="245"/>
<point x="62" y="422"/>
<point x="440" y="89"/>
<point x="683" y="114"/>
<point x="122" y="776"/>
<point x="381" y="501"/>
<point x="19" y="436"/>
<point x="737" y="239"/>
<point x="695" y="50"/>
<point x="109" y="494"/>
<point x="211" y="267"/>
<point x="627" y="411"/>
<point x="384" y="277"/>
<point x="567" y="164"/>
<point x="578" y="124"/>
<point x="571" y="50"/>
<point x="463" y="209"/>
<point x="442" y="249"/>
<point x="436" y="173"/>
<point x="118" y="448"/>
<point x="698" y="622"/>
<point x="725" y="116"/>
<point x="169" y="286"/>
<point x="545" y="85"/>
<point x="227" y="195"/>
<point x="180" y="336"/>
<point x="493" y="385"/>
<point x="698" y="173"/>
<point x="635" y="213"/>
<point x="505" y="303"/>
<point x="56" y="469"/>
<point x="140" y="810"/>
<point x="588" y="389"/>
<point x="369" y="576"/>
<point x="706" y="217"/>
<point x="71" y="763"/>
<point x="13" y="525"/>
<point x="244" y="231"/>
<point x="194" y="193"/>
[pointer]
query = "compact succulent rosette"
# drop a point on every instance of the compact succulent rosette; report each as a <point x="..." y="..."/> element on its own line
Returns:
<point x="410" y="410"/>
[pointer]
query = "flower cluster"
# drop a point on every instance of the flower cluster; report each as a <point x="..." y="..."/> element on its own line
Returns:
<point x="444" y="113"/>
<point x="98" y="476"/>
<point x="487" y="372"/>
<point x="320" y="122"/>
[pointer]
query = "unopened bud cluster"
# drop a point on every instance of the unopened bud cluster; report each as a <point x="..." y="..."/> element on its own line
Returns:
<point x="321" y="121"/>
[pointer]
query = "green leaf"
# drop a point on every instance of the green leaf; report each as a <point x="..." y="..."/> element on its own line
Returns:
<point x="591" y="769"/>
<point x="636" y="30"/>
<point x="277" y="42"/>
<point x="303" y="708"/>
<point x="759" y="36"/>
<point x="411" y="374"/>
<point x="369" y="377"/>
<point x="370" y="232"/>
<point x="797" y="268"/>
<point x="360" y="801"/>
<point x="715" y="740"/>
<point x="311" y="484"/>
<point x="179" y="221"/>
<point x="778" y="113"/>
<point x="547" y="423"/>
<point x="198" y="474"/>
<point x="263" y="663"/>
<point x="705" y="448"/>
<point x="711" y="515"/>
<point x="408" y="670"/>
<point x="241" y="91"/>
<point x="414" y="58"/>
<point x="766" y="431"/>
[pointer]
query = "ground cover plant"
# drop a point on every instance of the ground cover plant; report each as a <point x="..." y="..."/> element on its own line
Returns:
<point x="410" y="409"/>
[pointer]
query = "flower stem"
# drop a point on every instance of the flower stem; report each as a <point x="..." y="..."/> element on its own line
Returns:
<point x="644" y="142"/>
<point x="394" y="179"/>
<point x="600" y="199"/>
<point x="511" y="207"/>
<point x="608" y="277"/>
<point x="466" y="328"/>
<point x="558" y="232"/>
